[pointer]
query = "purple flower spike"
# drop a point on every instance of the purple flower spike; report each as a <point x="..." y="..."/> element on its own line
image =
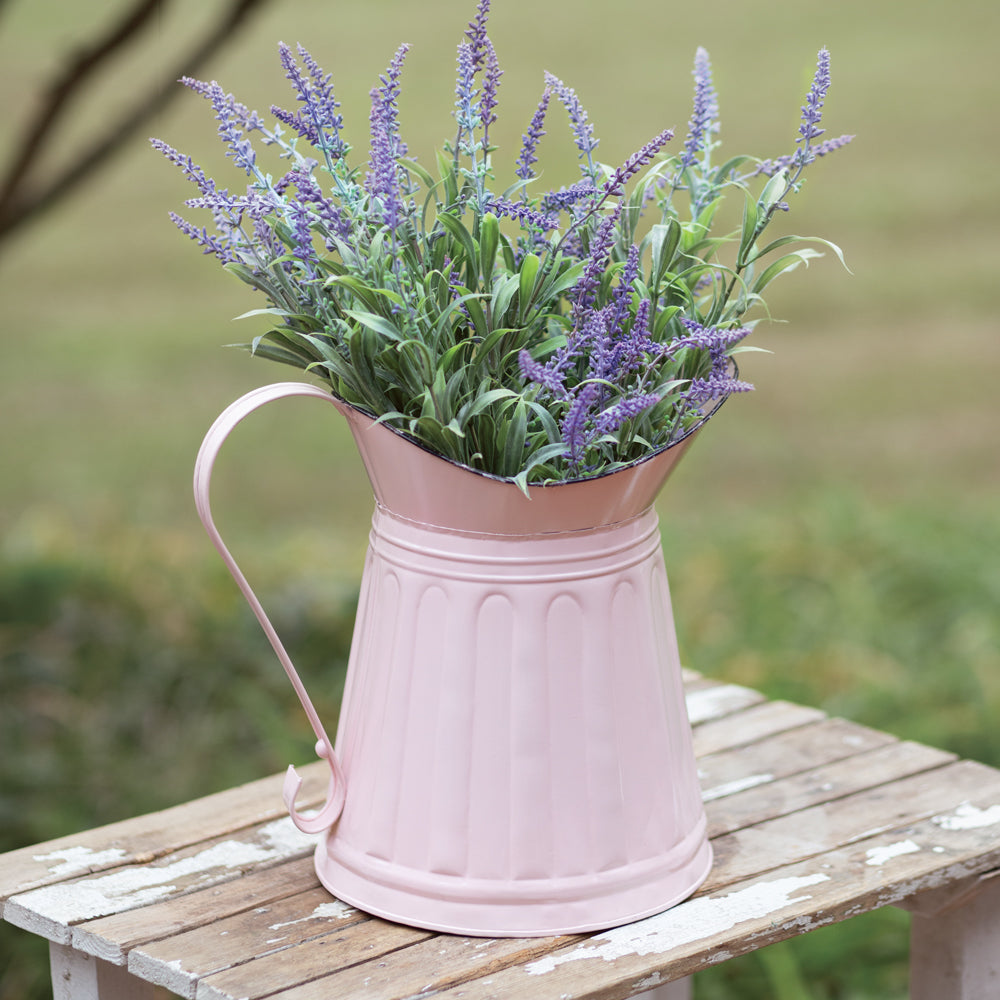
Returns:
<point x="208" y="242"/>
<point x="491" y="84"/>
<point x="583" y="130"/>
<point x="615" y="185"/>
<point x="705" y="114"/>
<point x="476" y="33"/>
<point x="627" y="409"/>
<point x="383" y="171"/>
<point x="812" y="110"/>
<point x="318" y="121"/>
<point x="524" y="214"/>
<point x="465" y="89"/>
<point x="389" y="97"/>
<point x="575" y="422"/>
<point x="530" y="140"/>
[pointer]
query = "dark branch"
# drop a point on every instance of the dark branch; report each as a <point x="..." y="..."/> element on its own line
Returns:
<point x="18" y="207"/>
<point x="62" y="90"/>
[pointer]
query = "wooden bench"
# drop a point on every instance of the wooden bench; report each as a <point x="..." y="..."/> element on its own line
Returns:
<point x="813" y="820"/>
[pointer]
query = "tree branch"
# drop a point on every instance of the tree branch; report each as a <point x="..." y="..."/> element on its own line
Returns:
<point x="64" y="88"/>
<point x="17" y="206"/>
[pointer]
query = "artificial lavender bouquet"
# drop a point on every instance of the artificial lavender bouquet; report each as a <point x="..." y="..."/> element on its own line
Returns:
<point x="537" y="335"/>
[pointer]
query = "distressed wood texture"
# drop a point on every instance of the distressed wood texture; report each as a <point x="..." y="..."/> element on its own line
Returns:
<point x="812" y="820"/>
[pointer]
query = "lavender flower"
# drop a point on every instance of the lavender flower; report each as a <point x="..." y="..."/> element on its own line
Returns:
<point x="600" y="247"/>
<point x="524" y="214"/>
<point x="530" y="140"/>
<point x="234" y="119"/>
<point x="488" y="103"/>
<point x="615" y="184"/>
<point x="565" y="198"/>
<point x="709" y="338"/>
<point x="812" y="110"/>
<point x="583" y="130"/>
<point x="705" y="113"/>
<point x="574" y="424"/>
<point x="476" y="33"/>
<point x="389" y="98"/>
<point x="191" y="170"/>
<point x="465" y="91"/>
<point x="625" y="409"/>
<point x="331" y="216"/>
<point x="549" y="376"/>
<point x="318" y="122"/>
<point x="209" y="243"/>
<point x="716" y="386"/>
<point x="382" y="182"/>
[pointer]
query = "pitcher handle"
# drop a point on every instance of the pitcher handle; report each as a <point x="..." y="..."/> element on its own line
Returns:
<point x="207" y="455"/>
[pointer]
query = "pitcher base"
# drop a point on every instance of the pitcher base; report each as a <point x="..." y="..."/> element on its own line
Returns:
<point x="539" y="907"/>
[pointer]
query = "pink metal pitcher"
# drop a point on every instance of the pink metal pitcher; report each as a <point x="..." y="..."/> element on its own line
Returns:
<point x="513" y="755"/>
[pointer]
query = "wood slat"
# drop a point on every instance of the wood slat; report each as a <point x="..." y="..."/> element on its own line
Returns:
<point x="425" y="968"/>
<point x="751" y="725"/>
<point x="52" y="910"/>
<point x="179" y="961"/>
<point x="144" y="838"/>
<point x="371" y="939"/>
<point x="786" y="840"/>
<point x="111" y="938"/>
<point x="716" y="701"/>
<point x="783" y="754"/>
<point x="821" y="784"/>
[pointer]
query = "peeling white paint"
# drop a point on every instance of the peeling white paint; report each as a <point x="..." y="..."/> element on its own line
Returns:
<point x="880" y="855"/>
<point x="686" y="923"/>
<point x="732" y="787"/>
<point x="969" y="817"/>
<point x="80" y="859"/>
<point x="649" y="982"/>
<point x="325" y="911"/>
<point x="137" y="885"/>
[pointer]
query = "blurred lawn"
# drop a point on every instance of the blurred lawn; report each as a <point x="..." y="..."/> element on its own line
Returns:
<point x="833" y="537"/>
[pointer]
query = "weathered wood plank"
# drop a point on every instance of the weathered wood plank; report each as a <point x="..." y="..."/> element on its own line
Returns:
<point x="751" y="725"/>
<point x="880" y="870"/>
<point x="425" y="968"/>
<point x="111" y="938"/>
<point x="718" y="700"/>
<point x="145" y="838"/>
<point x="776" y="843"/>
<point x="264" y="976"/>
<point x="821" y="784"/>
<point x="52" y="910"/>
<point x="180" y="961"/>
<point x="785" y="753"/>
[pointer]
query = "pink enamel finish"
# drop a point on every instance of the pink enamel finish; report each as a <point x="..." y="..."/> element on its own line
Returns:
<point x="513" y="756"/>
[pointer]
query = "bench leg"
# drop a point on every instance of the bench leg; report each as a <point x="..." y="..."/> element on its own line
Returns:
<point x="76" y="976"/>
<point x="955" y="949"/>
<point x="679" y="989"/>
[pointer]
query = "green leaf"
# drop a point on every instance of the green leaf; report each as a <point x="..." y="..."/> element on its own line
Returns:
<point x="748" y="232"/>
<point x="379" y="324"/>
<point x="526" y="282"/>
<point x="482" y="402"/>
<point x="773" y="192"/>
<point x="513" y="448"/>
<point x="788" y="262"/>
<point x="455" y="228"/>
<point x="489" y="241"/>
<point x="504" y="291"/>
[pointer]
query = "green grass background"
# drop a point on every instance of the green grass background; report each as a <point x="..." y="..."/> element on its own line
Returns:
<point x="832" y="538"/>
